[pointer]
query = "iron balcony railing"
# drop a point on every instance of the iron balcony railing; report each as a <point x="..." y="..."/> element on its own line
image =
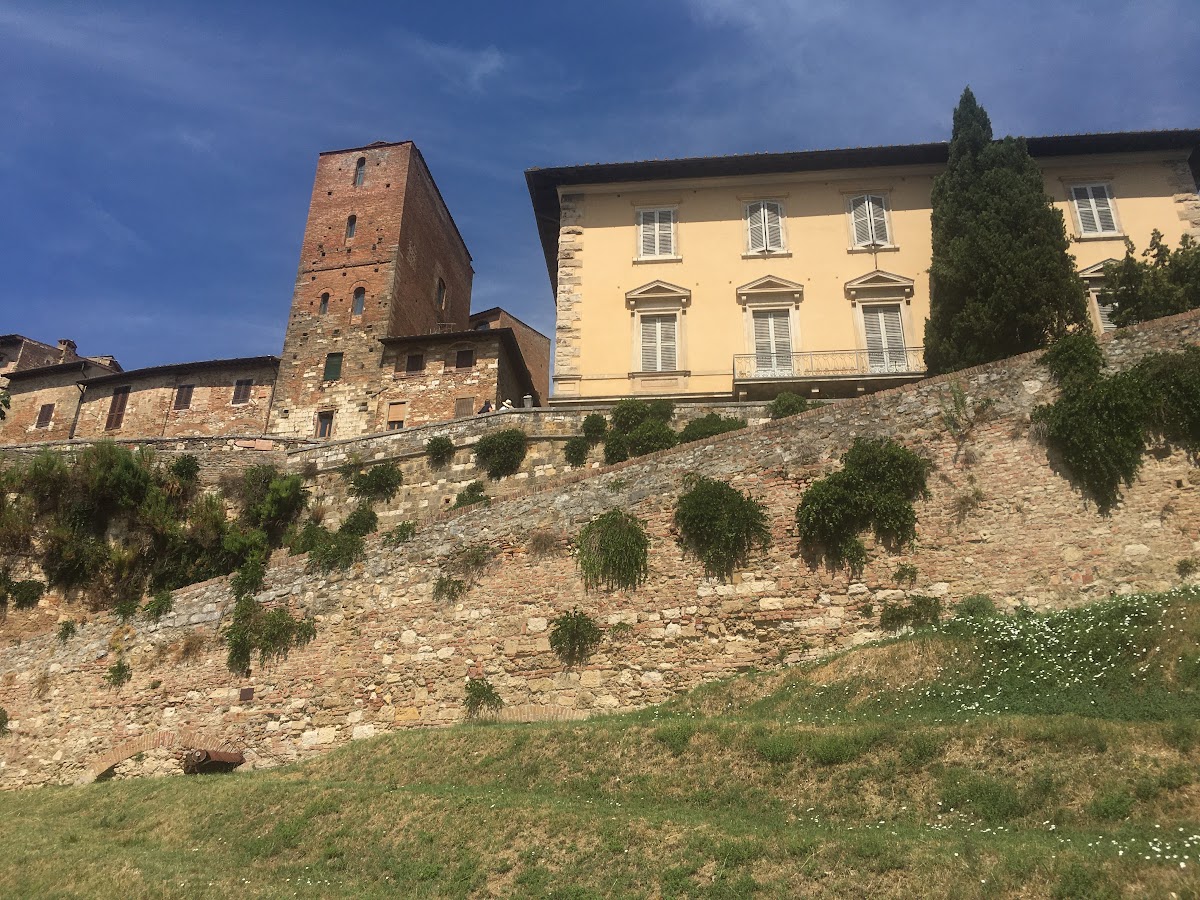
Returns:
<point x="828" y="363"/>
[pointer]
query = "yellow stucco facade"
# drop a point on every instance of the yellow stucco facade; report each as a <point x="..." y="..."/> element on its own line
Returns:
<point x="744" y="284"/>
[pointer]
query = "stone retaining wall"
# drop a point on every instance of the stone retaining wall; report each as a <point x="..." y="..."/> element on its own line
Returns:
<point x="387" y="656"/>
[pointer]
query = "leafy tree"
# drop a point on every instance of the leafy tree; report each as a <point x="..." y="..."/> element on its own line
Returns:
<point x="1001" y="281"/>
<point x="1165" y="282"/>
<point x="4" y="402"/>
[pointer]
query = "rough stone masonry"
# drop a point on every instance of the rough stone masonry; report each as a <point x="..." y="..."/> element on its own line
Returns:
<point x="387" y="656"/>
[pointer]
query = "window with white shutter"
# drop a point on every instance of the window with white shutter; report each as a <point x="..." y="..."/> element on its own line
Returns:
<point x="656" y="232"/>
<point x="869" y="221"/>
<point x="659" y="343"/>
<point x="1094" y="209"/>
<point x="772" y="343"/>
<point x="885" y="338"/>
<point x="764" y="226"/>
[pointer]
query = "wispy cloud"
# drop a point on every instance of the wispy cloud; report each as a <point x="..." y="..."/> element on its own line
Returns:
<point x="461" y="68"/>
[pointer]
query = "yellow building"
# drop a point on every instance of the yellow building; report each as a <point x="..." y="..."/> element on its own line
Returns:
<point x="746" y="275"/>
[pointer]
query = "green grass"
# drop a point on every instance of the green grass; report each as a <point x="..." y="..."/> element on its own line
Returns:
<point x="890" y="771"/>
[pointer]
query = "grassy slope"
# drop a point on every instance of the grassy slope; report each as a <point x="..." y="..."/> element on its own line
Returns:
<point x="1040" y="757"/>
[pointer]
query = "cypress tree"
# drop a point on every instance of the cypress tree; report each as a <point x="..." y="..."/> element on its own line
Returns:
<point x="1001" y="281"/>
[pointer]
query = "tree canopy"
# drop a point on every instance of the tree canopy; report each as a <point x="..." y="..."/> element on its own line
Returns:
<point x="1162" y="283"/>
<point x="1001" y="279"/>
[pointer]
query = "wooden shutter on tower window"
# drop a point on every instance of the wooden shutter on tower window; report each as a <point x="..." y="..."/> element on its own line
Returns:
<point x="183" y="396"/>
<point x="658" y="344"/>
<point x="885" y="339"/>
<point x="772" y="342"/>
<point x="45" y="414"/>
<point x="116" y="409"/>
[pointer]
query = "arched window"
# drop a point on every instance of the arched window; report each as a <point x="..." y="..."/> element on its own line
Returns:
<point x="360" y="171"/>
<point x="441" y="294"/>
<point x="360" y="301"/>
<point x="324" y="305"/>
<point x="351" y="224"/>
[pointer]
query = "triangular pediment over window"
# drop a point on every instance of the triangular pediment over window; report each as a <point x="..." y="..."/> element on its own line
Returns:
<point x="1096" y="272"/>
<point x="879" y="284"/>
<point x="658" y="292"/>
<point x="770" y="286"/>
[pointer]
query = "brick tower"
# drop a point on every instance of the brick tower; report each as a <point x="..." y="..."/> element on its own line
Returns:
<point x="381" y="258"/>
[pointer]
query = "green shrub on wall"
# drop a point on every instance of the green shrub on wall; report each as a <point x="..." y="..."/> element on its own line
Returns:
<point x="378" y="483"/>
<point x="362" y="521"/>
<point x="480" y="695"/>
<point x="787" y="404"/>
<point x="3" y="721"/>
<point x="470" y="495"/>
<point x="402" y="532"/>
<point x="917" y="612"/>
<point x="575" y="451"/>
<point x="501" y="453"/>
<point x="616" y="448"/>
<point x="719" y="525"/>
<point x="709" y="426"/>
<point x="440" y="451"/>
<point x="649" y="437"/>
<point x="574" y="636"/>
<point x="119" y="673"/>
<point x="875" y="488"/>
<point x="594" y="427"/>
<point x="613" y="552"/>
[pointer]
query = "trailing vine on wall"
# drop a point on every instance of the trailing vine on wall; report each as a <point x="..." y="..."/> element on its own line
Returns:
<point x="719" y="525"/>
<point x="875" y="489"/>
<point x="1101" y="424"/>
<point x="574" y="636"/>
<point x="613" y="552"/>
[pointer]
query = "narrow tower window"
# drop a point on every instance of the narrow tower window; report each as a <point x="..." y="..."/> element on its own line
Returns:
<point x="441" y="294"/>
<point x="324" y="306"/>
<point x="350" y="225"/>
<point x="360" y="171"/>
<point x="360" y="301"/>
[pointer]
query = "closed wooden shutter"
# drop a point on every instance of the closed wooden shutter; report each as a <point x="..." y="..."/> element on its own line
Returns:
<point x="868" y="214"/>
<point x="764" y="220"/>
<point x="772" y="343"/>
<point x="333" y="369"/>
<point x="183" y="396"/>
<point x="463" y="407"/>
<point x="241" y="388"/>
<point x="116" y="409"/>
<point x="395" y="415"/>
<point x="45" y="414"/>
<point x="658" y="344"/>
<point x="1094" y="206"/>
<point x="657" y="227"/>
<point x="885" y="339"/>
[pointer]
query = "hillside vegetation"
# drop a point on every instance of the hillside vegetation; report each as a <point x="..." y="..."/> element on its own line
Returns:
<point x="1035" y="756"/>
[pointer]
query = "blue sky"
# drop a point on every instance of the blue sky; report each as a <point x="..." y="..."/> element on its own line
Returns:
<point x="156" y="159"/>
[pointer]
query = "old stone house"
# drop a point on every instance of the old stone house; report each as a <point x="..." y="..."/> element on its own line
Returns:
<point x="382" y="267"/>
<point x="745" y="275"/>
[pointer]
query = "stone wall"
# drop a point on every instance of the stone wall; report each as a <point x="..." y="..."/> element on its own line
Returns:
<point x="387" y="656"/>
<point x="429" y="490"/>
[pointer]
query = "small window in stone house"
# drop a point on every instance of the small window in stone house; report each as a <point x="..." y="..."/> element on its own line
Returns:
<point x="183" y="396"/>
<point x="360" y="302"/>
<point x="464" y="359"/>
<point x="463" y="407"/>
<point x="360" y="171"/>
<point x="333" y="367"/>
<point x="395" y="415"/>
<point x="441" y="294"/>
<point x="241" y="390"/>
<point x="351" y="224"/>
<point x="325" y="424"/>
<point x="116" y="409"/>
<point x="414" y="364"/>
<point x="323" y="306"/>
<point x="45" y="414"/>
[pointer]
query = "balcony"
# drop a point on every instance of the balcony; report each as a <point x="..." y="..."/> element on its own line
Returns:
<point x="827" y="373"/>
